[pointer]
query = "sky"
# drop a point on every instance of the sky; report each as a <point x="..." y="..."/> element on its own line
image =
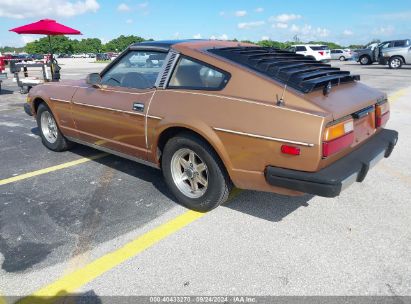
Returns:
<point x="345" y="22"/>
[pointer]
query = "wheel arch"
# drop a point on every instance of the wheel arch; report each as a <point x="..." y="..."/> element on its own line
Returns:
<point x="36" y="103"/>
<point x="398" y="56"/>
<point x="206" y="133"/>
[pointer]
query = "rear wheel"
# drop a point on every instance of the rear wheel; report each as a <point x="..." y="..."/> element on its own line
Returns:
<point x="395" y="63"/>
<point x="365" y="60"/>
<point x="342" y="58"/>
<point x="49" y="131"/>
<point x="194" y="173"/>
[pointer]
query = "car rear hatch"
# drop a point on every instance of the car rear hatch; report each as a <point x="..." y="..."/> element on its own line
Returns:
<point x="355" y="110"/>
<point x="323" y="51"/>
<point x="336" y="92"/>
<point x="351" y="99"/>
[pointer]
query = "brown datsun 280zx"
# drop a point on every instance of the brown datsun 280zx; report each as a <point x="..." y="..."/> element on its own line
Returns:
<point x="214" y="114"/>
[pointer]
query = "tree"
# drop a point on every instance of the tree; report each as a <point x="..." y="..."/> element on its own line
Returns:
<point x="355" y="46"/>
<point x="89" y="45"/>
<point x="11" y="49"/>
<point x="121" y="43"/>
<point x="59" y="44"/>
<point x="274" y="44"/>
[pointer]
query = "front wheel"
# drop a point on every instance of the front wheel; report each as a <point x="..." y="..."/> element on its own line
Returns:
<point x="194" y="173"/>
<point x="365" y="60"/>
<point x="49" y="131"/>
<point x="395" y="63"/>
<point x="342" y="58"/>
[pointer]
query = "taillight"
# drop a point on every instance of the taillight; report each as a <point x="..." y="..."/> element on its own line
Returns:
<point x="338" y="136"/>
<point x="382" y="113"/>
<point x="321" y="53"/>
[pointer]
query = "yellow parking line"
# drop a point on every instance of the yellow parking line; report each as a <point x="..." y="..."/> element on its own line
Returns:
<point x="71" y="282"/>
<point x="2" y="300"/>
<point x="398" y="94"/>
<point x="50" y="169"/>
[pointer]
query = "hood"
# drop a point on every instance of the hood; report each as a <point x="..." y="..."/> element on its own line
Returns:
<point x="69" y="82"/>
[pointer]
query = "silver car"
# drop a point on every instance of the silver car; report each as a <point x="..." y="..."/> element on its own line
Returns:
<point x="396" y="57"/>
<point x="342" y="55"/>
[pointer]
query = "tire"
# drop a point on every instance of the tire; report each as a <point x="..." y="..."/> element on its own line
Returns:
<point x="342" y="58"/>
<point x="186" y="161"/>
<point x="49" y="131"/>
<point x="365" y="60"/>
<point x="395" y="63"/>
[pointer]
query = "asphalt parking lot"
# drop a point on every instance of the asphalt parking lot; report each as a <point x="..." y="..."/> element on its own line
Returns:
<point x="84" y="222"/>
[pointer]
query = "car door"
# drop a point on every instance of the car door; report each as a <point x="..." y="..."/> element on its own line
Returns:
<point x="113" y="115"/>
<point x="335" y="54"/>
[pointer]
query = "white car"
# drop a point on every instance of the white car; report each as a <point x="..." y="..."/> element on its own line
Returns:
<point x="342" y="55"/>
<point x="79" y="55"/>
<point x="316" y="51"/>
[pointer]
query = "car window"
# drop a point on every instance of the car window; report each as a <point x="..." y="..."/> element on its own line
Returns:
<point x="291" y="49"/>
<point x="196" y="75"/>
<point x="300" y="49"/>
<point x="319" y="48"/>
<point x="401" y="43"/>
<point x="136" y="70"/>
<point x="386" y="45"/>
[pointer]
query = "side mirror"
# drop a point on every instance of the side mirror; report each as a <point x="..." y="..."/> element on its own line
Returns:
<point x="94" y="79"/>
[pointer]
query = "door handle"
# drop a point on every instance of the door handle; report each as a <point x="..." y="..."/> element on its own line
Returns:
<point x="138" y="107"/>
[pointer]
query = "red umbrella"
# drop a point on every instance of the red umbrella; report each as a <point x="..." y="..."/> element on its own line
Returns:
<point x="50" y="28"/>
<point x="46" y="27"/>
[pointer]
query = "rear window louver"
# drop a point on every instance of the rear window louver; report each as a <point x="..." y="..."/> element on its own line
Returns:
<point x="295" y="70"/>
<point x="171" y="60"/>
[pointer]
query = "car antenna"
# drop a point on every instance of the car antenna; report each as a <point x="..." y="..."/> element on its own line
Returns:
<point x="281" y="102"/>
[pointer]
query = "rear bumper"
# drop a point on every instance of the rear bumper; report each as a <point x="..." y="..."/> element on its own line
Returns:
<point x="330" y="181"/>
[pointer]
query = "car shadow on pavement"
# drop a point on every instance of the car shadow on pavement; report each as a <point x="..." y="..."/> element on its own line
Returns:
<point x="35" y="131"/>
<point x="267" y="206"/>
<point x="131" y="168"/>
<point x="126" y="166"/>
<point x="43" y="224"/>
<point x="6" y="92"/>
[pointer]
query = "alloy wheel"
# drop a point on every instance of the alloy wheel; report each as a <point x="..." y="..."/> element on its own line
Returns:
<point x="189" y="173"/>
<point x="395" y="63"/>
<point x="48" y="127"/>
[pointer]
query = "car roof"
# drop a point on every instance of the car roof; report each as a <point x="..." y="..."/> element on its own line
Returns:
<point x="166" y="45"/>
<point x="163" y="44"/>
